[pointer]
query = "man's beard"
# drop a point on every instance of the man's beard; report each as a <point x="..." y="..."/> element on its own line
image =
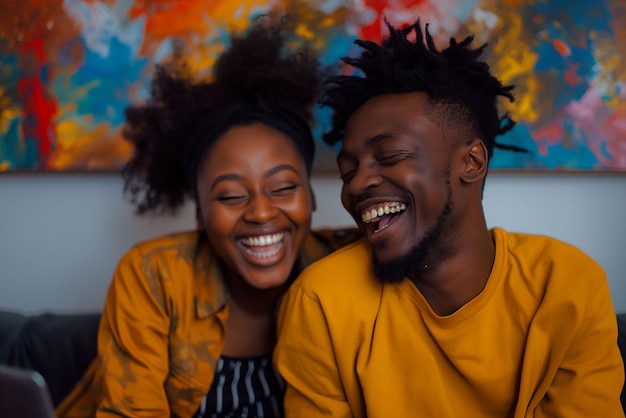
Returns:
<point x="396" y="270"/>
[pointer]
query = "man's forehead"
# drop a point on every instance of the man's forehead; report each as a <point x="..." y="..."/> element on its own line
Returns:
<point x="384" y="102"/>
<point x="382" y="114"/>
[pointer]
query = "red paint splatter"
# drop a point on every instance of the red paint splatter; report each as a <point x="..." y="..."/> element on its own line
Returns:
<point x="571" y="76"/>
<point x="374" y="31"/>
<point x="38" y="108"/>
<point x="549" y="134"/>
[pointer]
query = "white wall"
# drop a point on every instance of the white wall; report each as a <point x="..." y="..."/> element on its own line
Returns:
<point x="62" y="234"/>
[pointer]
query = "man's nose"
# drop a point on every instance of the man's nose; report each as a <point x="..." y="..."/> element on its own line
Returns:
<point x="364" y="178"/>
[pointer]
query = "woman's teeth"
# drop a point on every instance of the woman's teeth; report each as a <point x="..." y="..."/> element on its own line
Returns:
<point x="263" y="240"/>
<point x="372" y="215"/>
<point x="253" y="245"/>
<point x="265" y="254"/>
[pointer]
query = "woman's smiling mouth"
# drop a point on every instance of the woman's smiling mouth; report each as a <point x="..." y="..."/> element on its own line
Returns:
<point x="263" y="246"/>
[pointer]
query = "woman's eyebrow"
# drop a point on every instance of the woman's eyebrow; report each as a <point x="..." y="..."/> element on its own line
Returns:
<point x="235" y="176"/>
<point x="225" y="177"/>
<point x="280" y="168"/>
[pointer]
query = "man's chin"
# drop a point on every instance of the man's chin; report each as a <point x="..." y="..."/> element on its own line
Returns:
<point x="395" y="269"/>
<point x="389" y="272"/>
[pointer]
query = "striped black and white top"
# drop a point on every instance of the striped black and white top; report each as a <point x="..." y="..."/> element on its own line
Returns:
<point x="244" y="387"/>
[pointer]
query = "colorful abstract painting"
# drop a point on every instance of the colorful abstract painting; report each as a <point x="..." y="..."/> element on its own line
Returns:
<point x="69" y="68"/>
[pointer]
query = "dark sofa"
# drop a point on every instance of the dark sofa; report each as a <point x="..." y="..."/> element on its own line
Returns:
<point x="60" y="347"/>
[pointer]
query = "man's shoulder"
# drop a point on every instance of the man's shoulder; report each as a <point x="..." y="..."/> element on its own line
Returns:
<point x="348" y="257"/>
<point x="335" y="238"/>
<point x="349" y="266"/>
<point x="540" y="244"/>
<point x="559" y="255"/>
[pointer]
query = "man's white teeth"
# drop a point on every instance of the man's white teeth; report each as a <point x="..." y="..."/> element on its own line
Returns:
<point x="263" y="240"/>
<point x="372" y="214"/>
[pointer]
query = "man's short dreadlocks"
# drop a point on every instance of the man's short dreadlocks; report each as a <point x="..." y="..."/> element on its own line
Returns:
<point x="458" y="85"/>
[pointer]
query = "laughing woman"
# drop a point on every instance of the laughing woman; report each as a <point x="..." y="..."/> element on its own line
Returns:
<point x="188" y="326"/>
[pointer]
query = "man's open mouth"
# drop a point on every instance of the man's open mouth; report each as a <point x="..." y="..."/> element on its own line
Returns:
<point x="379" y="217"/>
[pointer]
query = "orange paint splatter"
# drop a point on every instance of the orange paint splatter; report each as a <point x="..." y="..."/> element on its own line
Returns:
<point x="561" y="47"/>
<point x="190" y="20"/>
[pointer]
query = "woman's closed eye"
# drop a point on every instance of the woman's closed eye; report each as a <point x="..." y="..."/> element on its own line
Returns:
<point x="232" y="198"/>
<point x="284" y="190"/>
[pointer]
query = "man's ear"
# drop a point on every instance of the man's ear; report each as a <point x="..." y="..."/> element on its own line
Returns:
<point x="475" y="161"/>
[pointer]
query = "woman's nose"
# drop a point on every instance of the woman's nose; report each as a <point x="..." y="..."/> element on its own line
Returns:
<point x="260" y="210"/>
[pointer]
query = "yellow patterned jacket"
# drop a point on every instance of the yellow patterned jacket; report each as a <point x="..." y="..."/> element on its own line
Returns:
<point x="162" y="329"/>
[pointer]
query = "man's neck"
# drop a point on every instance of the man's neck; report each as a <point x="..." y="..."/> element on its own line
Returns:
<point x="451" y="283"/>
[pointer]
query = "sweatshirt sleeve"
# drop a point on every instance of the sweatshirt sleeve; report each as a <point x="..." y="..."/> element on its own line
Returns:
<point x="305" y="357"/>
<point x="589" y="379"/>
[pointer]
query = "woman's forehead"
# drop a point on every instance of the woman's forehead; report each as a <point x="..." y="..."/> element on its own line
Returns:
<point x="253" y="149"/>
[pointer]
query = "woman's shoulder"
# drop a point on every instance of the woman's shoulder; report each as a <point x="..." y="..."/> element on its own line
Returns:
<point x="176" y="246"/>
<point x="175" y="240"/>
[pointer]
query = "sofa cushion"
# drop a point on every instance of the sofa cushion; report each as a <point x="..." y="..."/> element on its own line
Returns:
<point x="59" y="347"/>
<point x="11" y="325"/>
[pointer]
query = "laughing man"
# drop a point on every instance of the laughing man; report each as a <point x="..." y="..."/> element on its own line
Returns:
<point x="434" y="314"/>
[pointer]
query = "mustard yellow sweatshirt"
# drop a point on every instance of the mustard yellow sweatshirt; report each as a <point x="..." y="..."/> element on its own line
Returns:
<point x="539" y="341"/>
